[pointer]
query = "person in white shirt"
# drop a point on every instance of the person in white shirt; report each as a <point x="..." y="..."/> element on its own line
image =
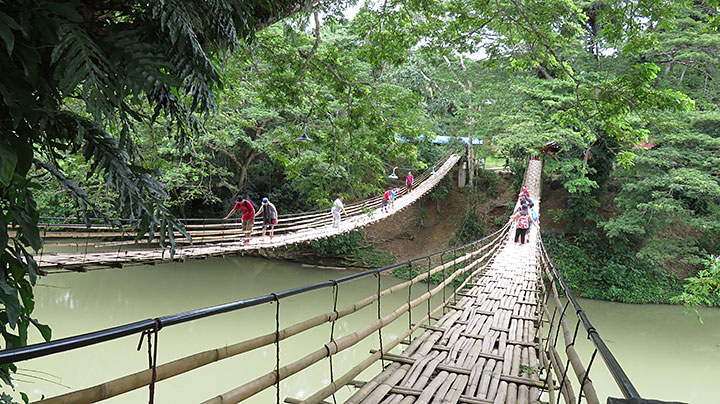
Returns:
<point x="337" y="208"/>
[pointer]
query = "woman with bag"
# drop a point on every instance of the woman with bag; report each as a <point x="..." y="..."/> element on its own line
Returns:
<point x="523" y="219"/>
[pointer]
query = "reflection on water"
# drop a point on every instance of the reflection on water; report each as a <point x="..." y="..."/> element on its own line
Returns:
<point x="79" y="303"/>
<point x="666" y="354"/>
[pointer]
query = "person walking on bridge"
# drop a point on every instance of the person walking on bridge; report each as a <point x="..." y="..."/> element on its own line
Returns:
<point x="409" y="181"/>
<point x="534" y="217"/>
<point x="269" y="215"/>
<point x="338" y="208"/>
<point x="393" y="196"/>
<point x="386" y="200"/>
<point x="523" y="219"/>
<point x="247" y="212"/>
<point x="524" y="197"/>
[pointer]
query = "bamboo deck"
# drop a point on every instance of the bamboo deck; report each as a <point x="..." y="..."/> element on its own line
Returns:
<point x="320" y="228"/>
<point x="485" y="349"/>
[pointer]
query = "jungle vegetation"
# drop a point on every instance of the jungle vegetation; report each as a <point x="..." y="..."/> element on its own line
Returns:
<point x="163" y="109"/>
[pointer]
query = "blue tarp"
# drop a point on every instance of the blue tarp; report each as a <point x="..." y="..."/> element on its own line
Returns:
<point x="441" y="139"/>
<point x="447" y="139"/>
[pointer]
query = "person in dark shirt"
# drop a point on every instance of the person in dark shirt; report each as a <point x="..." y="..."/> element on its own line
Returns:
<point x="269" y="215"/>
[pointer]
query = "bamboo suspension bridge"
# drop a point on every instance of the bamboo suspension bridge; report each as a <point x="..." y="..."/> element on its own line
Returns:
<point x="496" y="339"/>
<point x="212" y="237"/>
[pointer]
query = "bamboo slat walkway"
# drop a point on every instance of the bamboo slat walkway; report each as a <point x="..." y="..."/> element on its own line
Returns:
<point x="317" y="226"/>
<point x="486" y="348"/>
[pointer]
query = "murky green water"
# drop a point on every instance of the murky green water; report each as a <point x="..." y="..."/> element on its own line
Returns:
<point x="79" y="303"/>
<point x="667" y="354"/>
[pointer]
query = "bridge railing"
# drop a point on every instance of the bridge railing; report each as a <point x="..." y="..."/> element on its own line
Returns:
<point x="557" y="289"/>
<point x="96" y="234"/>
<point x="450" y="266"/>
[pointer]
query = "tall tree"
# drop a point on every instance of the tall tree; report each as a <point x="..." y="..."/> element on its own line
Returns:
<point x="113" y="58"/>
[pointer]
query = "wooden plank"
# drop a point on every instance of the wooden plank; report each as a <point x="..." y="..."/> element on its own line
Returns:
<point x="463" y="371"/>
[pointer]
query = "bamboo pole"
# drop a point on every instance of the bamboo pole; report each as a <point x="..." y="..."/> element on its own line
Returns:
<point x="577" y="365"/>
<point x="253" y="387"/>
<point x="347" y="377"/>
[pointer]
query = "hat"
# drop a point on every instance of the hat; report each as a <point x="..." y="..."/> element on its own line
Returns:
<point x="265" y="201"/>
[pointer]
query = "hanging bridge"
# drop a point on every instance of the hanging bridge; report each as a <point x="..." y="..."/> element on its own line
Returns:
<point x="504" y="332"/>
<point x="102" y="246"/>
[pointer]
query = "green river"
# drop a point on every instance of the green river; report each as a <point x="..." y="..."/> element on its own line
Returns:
<point x="668" y="355"/>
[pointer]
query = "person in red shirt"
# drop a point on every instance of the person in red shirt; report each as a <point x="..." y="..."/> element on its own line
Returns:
<point x="247" y="212"/>
<point x="409" y="181"/>
<point x="386" y="200"/>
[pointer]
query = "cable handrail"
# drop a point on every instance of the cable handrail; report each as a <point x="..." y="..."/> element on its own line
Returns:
<point x="621" y="378"/>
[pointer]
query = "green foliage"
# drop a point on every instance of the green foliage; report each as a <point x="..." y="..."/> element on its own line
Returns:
<point x="470" y="229"/>
<point x="669" y="200"/>
<point x="609" y="271"/>
<point x="442" y="189"/>
<point x="352" y="250"/>
<point x="79" y="79"/>
<point x="346" y="244"/>
<point x="487" y="181"/>
<point x="702" y="289"/>
<point x="530" y="370"/>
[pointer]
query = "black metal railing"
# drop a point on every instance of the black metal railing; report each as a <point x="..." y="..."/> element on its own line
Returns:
<point x="558" y="287"/>
<point x="84" y="340"/>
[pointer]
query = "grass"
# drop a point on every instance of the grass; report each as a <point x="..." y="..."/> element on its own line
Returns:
<point x="494" y="162"/>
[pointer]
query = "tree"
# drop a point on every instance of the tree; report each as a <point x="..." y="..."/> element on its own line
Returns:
<point x="668" y="200"/>
<point x="122" y="63"/>
<point x="703" y="289"/>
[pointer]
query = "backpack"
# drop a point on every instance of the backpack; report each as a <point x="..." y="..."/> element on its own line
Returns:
<point x="523" y="222"/>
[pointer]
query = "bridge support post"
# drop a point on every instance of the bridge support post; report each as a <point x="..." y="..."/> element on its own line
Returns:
<point x="462" y="171"/>
<point x="470" y="162"/>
